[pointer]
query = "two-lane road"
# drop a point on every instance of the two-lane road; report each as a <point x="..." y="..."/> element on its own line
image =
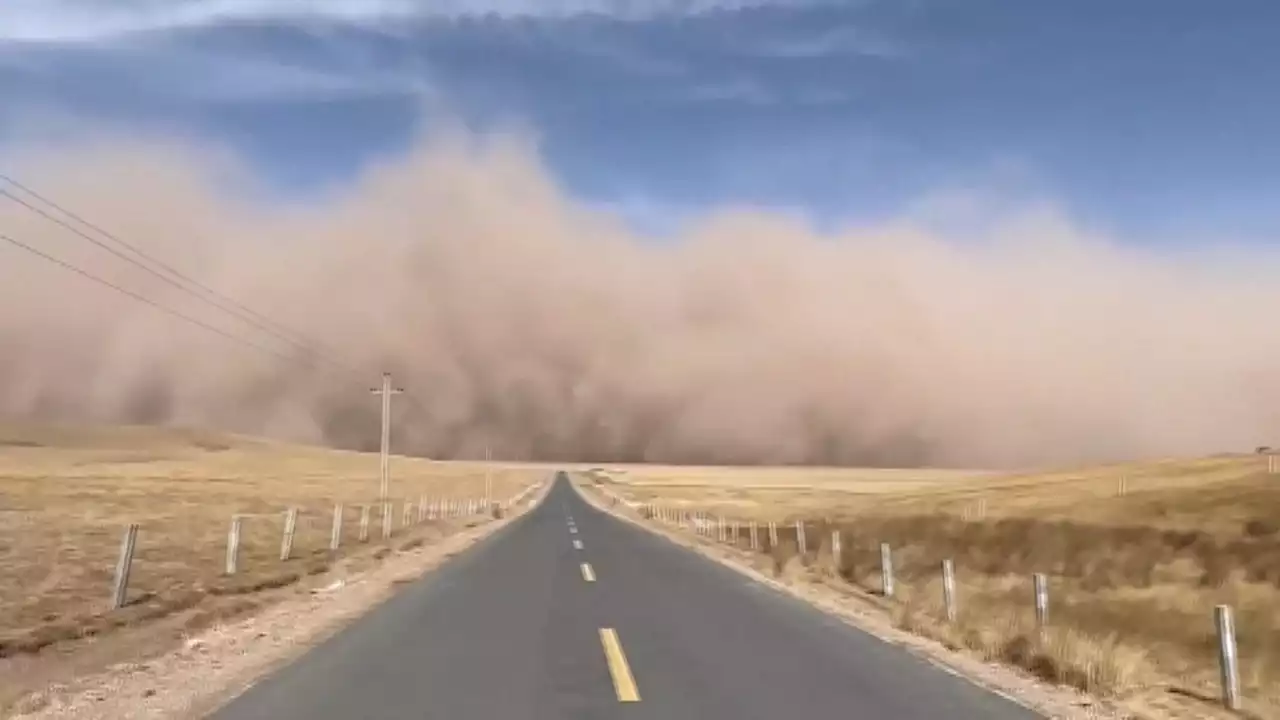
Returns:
<point x="569" y="613"/>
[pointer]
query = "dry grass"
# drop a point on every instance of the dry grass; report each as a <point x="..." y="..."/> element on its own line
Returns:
<point x="67" y="494"/>
<point x="1135" y="566"/>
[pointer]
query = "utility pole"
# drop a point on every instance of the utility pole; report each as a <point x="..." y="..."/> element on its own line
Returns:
<point x="488" y="480"/>
<point x="386" y="391"/>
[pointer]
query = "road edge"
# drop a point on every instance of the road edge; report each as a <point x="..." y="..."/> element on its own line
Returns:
<point x="214" y="667"/>
<point x="872" y="618"/>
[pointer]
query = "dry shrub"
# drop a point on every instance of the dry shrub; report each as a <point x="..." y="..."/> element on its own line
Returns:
<point x="786" y="558"/>
<point x="1127" y="603"/>
<point x="1097" y="664"/>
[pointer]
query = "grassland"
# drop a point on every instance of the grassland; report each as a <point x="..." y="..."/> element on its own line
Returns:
<point x="1137" y="557"/>
<point x="67" y="494"/>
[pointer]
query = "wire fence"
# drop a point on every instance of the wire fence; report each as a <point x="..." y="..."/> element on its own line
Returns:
<point x="1110" y="610"/>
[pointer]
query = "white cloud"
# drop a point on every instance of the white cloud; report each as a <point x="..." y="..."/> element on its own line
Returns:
<point x="165" y="67"/>
<point x="739" y="90"/>
<point x="92" y="20"/>
<point x="835" y="41"/>
<point x="225" y="79"/>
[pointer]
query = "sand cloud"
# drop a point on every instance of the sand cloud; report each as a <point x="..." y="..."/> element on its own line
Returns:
<point x="518" y="316"/>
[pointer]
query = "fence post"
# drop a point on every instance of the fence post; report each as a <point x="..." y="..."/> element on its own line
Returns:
<point x="733" y="532"/>
<point x="949" y="589"/>
<point x="406" y="517"/>
<point x="364" y="523"/>
<point x="886" y="570"/>
<point x="755" y="536"/>
<point x="1227" y="658"/>
<point x="801" y="541"/>
<point x="422" y="508"/>
<point x="836" y="550"/>
<point x="773" y="535"/>
<point x="335" y="532"/>
<point x="120" y="590"/>
<point x="386" y="519"/>
<point x="1041" y="582"/>
<point x="233" y="545"/>
<point x="286" y="540"/>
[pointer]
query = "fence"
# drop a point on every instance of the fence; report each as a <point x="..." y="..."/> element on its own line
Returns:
<point x="74" y="579"/>
<point x="412" y="513"/>
<point x="1078" y="625"/>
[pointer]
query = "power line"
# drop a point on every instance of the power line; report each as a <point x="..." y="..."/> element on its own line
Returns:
<point x="221" y="302"/>
<point x="141" y="298"/>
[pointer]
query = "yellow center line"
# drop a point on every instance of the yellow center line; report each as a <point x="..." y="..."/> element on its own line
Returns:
<point x="587" y="573"/>
<point x="623" y="683"/>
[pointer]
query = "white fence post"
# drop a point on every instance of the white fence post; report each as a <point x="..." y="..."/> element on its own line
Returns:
<point x="949" y="589"/>
<point x="886" y="570"/>
<point x="120" y="589"/>
<point x="1227" y="657"/>
<point x="335" y="532"/>
<point x="406" y="517"/>
<point x="801" y="540"/>
<point x="836" y="550"/>
<point x="387" y="509"/>
<point x="364" y="523"/>
<point x="755" y="536"/>
<point x="773" y="535"/>
<point x="233" y="546"/>
<point x="1041" y="582"/>
<point x="290" y="527"/>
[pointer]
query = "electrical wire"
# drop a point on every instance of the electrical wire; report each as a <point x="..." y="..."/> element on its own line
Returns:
<point x="220" y="301"/>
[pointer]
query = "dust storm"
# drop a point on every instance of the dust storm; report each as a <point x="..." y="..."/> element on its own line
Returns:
<point x="523" y="319"/>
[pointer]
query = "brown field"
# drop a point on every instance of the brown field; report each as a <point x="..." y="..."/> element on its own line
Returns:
<point x="66" y="496"/>
<point x="1137" y="557"/>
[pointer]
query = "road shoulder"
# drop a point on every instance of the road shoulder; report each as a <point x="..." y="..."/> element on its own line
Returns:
<point x="869" y="614"/>
<point x="213" y="667"/>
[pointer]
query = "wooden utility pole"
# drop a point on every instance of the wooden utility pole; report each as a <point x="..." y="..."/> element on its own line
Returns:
<point x="386" y="391"/>
<point x="488" y="480"/>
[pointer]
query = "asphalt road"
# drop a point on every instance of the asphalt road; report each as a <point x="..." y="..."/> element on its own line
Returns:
<point x="570" y="614"/>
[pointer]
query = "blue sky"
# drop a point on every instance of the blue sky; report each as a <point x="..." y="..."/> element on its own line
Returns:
<point x="1155" y="120"/>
